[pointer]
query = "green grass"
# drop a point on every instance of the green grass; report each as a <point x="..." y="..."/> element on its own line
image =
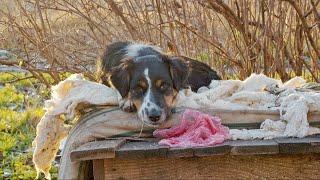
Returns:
<point x="20" y="110"/>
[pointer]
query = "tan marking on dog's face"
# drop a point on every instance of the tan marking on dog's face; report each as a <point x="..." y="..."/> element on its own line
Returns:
<point x="137" y="103"/>
<point x="143" y="84"/>
<point x="159" y="83"/>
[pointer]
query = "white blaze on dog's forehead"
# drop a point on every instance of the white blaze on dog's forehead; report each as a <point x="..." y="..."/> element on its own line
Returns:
<point x="146" y="74"/>
<point x="132" y="50"/>
<point x="142" y="112"/>
<point x="147" y="103"/>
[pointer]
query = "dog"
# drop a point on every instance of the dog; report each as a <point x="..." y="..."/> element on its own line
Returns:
<point x="149" y="80"/>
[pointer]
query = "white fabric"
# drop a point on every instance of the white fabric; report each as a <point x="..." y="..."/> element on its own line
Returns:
<point x="66" y="96"/>
<point x="254" y="93"/>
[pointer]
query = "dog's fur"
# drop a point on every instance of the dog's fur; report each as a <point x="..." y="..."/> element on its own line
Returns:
<point x="148" y="80"/>
<point x="200" y="74"/>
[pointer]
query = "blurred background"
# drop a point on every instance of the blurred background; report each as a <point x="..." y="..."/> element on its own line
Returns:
<point x="280" y="38"/>
<point x="43" y="41"/>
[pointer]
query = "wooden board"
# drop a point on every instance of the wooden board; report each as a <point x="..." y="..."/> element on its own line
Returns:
<point x="96" y="150"/>
<point x="283" y="158"/>
<point x="151" y="149"/>
<point x="216" y="167"/>
<point x="98" y="169"/>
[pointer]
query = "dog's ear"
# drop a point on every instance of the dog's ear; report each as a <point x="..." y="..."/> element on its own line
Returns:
<point x="179" y="70"/>
<point x="120" y="77"/>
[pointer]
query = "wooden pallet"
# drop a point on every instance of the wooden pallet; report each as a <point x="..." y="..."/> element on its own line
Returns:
<point x="259" y="159"/>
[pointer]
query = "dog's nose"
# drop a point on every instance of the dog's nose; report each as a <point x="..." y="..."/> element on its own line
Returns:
<point x="154" y="115"/>
<point x="154" y="118"/>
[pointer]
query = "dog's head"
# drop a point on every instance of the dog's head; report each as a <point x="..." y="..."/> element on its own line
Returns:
<point x="152" y="84"/>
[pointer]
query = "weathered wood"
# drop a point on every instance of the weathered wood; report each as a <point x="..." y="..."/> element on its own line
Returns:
<point x="299" y="145"/>
<point x="180" y="152"/>
<point x="86" y="170"/>
<point x="220" y="149"/>
<point x="98" y="169"/>
<point x="216" y="167"/>
<point x="138" y="150"/>
<point x="97" y="150"/>
<point x="241" y="147"/>
<point x="151" y="149"/>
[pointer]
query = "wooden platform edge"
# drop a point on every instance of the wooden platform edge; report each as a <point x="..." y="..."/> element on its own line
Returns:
<point x="151" y="149"/>
<point x="96" y="150"/>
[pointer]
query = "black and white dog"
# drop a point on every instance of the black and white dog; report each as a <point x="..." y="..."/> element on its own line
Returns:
<point x="148" y="80"/>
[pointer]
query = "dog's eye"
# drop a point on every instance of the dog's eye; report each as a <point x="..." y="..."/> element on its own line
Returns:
<point x="164" y="86"/>
<point x="138" y="90"/>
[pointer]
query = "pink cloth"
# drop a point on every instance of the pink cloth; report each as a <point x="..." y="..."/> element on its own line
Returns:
<point x="195" y="129"/>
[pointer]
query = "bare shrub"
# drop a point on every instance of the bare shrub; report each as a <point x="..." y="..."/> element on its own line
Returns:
<point x="277" y="38"/>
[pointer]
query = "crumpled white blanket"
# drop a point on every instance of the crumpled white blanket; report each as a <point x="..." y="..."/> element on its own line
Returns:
<point x="65" y="97"/>
<point x="261" y="92"/>
<point x="256" y="92"/>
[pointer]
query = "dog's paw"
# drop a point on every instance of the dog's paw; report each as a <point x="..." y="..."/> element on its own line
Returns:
<point x="128" y="106"/>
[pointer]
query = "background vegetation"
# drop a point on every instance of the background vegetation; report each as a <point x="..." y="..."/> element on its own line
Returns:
<point x="280" y="38"/>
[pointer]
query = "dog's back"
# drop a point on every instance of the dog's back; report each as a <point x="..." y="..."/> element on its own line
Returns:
<point x="200" y="74"/>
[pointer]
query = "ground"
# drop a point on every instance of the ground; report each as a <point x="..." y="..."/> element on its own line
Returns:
<point x="21" y="105"/>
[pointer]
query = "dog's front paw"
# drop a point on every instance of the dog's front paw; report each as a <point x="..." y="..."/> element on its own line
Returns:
<point x="128" y="106"/>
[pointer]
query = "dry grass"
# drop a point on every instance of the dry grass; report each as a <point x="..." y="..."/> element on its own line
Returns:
<point x="280" y="38"/>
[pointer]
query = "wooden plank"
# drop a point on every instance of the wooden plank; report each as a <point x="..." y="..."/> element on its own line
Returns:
<point x="85" y="170"/>
<point x="254" y="147"/>
<point x="96" y="150"/>
<point x="138" y="150"/>
<point x="299" y="145"/>
<point x="220" y="149"/>
<point x="216" y="167"/>
<point x="150" y="148"/>
<point x="180" y="152"/>
<point x="98" y="169"/>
